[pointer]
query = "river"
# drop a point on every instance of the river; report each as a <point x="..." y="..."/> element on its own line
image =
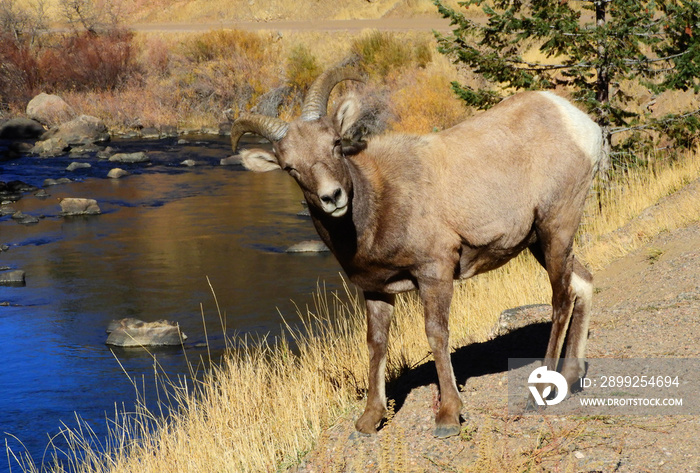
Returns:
<point x="166" y="233"/>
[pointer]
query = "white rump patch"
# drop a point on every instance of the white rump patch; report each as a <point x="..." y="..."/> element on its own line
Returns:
<point x="585" y="132"/>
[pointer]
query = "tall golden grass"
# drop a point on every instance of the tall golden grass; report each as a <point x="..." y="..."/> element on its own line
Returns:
<point x="264" y="407"/>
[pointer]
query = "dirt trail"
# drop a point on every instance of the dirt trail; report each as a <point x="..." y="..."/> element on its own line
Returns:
<point x="384" y="24"/>
<point x="646" y="304"/>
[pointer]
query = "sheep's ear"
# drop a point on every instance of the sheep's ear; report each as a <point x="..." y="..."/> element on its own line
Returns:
<point x="354" y="147"/>
<point x="259" y="160"/>
<point x="347" y="113"/>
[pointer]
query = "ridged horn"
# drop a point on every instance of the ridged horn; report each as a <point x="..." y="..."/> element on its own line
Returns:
<point x="316" y="101"/>
<point x="271" y="128"/>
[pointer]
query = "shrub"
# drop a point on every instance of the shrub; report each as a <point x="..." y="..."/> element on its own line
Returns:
<point x="89" y="61"/>
<point x="423" y="102"/>
<point x="19" y="76"/>
<point x="382" y="52"/>
<point x="226" y="69"/>
<point x="302" y="68"/>
<point x="226" y="44"/>
<point x="156" y="57"/>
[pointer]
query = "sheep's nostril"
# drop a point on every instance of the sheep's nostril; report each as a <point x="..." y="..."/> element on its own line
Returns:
<point x="332" y="198"/>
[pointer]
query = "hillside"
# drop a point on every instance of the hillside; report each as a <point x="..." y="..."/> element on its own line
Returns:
<point x="208" y="11"/>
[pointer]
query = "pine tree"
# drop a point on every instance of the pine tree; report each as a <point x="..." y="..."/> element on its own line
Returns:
<point x="597" y="48"/>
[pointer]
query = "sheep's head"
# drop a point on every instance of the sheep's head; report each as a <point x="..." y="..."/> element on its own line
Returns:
<point x="309" y="148"/>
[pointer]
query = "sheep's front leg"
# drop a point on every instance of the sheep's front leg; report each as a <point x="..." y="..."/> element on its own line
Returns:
<point x="436" y="296"/>
<point x="380" y="308"/>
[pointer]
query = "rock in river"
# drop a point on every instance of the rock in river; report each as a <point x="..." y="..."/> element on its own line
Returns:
<point x="76" y="165"/>
<point x="55" y="182"/>
<point x="116" y="173"/>
<point x="130" y="332"/>
<point x="139" y="157"/>
<point x="308" y="246"/>
<point x="76" y="206"/>
<point x="24" y="219"/>
<point x="12" y="278"/>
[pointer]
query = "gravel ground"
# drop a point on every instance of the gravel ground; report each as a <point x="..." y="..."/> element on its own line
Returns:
<point x="646" y="304"/>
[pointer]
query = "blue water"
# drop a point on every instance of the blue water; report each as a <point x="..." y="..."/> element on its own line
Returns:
<point x="165" y="234"/>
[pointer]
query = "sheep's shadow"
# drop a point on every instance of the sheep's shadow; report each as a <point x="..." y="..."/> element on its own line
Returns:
<point x="476" y="359"/>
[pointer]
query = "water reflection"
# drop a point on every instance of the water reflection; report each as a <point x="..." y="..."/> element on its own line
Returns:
<point x="164" y="230"/>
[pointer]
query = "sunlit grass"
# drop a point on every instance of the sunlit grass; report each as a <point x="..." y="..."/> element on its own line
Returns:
<point x="620" y="205"/>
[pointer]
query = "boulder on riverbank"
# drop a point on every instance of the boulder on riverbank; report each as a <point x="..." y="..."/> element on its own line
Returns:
<point x="50" y="148"/>
<point x="21" y="129"/>
<point x="76" y="206"/>
<point x="51" y="110"/>
<point x="131" y="332"/>
<point x="80" y="132"/>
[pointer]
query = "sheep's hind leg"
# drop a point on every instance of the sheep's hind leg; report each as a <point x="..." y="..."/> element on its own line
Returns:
<point x="574" y="366"/>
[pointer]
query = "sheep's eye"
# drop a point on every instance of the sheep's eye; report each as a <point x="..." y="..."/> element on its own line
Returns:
<point x="338" y="148"/>
<point x="291" y="170"/>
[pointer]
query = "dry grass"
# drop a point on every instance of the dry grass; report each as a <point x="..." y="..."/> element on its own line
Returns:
<point x="627" y="198"/>
<point x="265" y="406"/>
<point x="166" y="11"/>
<point x="187" y="80"/>
<point x="423" y="101"/>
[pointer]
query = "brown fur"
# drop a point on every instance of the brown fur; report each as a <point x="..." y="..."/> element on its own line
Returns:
<point x="424" y="210"/>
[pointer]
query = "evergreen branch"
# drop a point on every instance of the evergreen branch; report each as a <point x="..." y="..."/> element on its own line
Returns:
<point x="655" y="124"/>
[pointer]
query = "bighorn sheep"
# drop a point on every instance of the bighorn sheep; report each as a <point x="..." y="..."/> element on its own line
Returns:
<point x="415" y="212"/>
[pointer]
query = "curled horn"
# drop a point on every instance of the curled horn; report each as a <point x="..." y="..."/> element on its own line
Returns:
<point x="271" y="128"/>
<point x="316" y="101"/>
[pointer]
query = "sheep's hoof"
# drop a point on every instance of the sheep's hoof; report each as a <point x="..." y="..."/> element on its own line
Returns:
<point x="367" y="423"/>
<point x="445" y="431"/>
